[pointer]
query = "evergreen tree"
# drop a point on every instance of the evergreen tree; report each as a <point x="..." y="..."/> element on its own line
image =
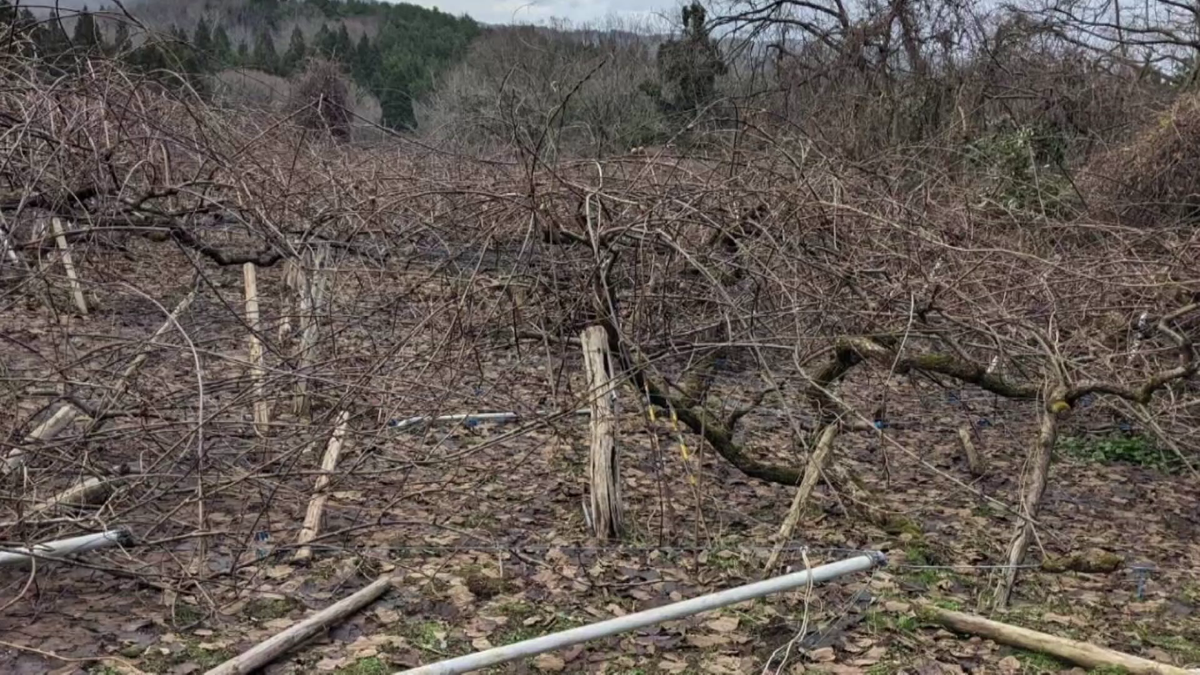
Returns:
<point x="297" y="51"/>
<point x="689" y="66"/>
<point x="85" y="36"/>
<point x="202" y="39"/>
<point x="343" y="45"/>
<point x="222" y="46"/>
<point x="202" y="45"/>
<point x="326" y="41"/>
<point x="50" y="40"/>
<point x="365" y="56"/>
<point x="243" y="54"/>
<point x="121" y="38"/>
<point x="265" y="56"/>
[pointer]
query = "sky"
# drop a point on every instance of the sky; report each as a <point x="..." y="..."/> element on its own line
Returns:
<point x="541" y="11"/>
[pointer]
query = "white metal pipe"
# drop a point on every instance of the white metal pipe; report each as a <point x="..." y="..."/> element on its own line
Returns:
<point x="66" y="547"/>
<point x="678" y="610"/>
<point x="473" y="417"/>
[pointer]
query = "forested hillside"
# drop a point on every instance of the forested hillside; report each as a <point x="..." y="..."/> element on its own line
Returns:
<point x="393" y="51"/>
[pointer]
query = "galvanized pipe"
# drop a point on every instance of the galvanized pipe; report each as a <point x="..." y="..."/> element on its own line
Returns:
<point x="678" y="610"/>
<point x="66" y="547"/>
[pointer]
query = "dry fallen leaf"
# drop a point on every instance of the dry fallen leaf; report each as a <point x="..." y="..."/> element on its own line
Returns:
<point x="549" y="663"/>
<point x="824" y="654"/>
<point x="279" y="571"/>
<point x="386" y="616"/>
<point x="725" y="624"/>
<point x="672" y="666"/>
<point x="705" y="641"/>
<point x="1009" y="665"/>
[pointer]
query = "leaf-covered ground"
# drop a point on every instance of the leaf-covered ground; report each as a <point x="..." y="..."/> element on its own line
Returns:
<point x="483" y="529"/>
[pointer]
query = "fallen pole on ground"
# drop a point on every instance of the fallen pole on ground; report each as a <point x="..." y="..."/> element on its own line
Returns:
<point x="622" y="624"/>
<point x="265" y="652"/>
<point x="475" y="417"/>
<point x="66" y="547"/>
<point x="1079" y="653"/>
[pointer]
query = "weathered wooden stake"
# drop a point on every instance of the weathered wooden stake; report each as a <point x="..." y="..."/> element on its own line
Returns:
<point x="69" y="266"/>
<point x="812" y="472"/>
<point x="603" y="467"/>
<point x="976" y="462"/>
<point x="1041" y="454"/>
<point x="84" y="493"/>
<point x="44" y="432"/>
<point x="316" y="505"/>
<point x="262" y="414"/>
<point x="291" y="284"/>
<point x="312" y="295"/>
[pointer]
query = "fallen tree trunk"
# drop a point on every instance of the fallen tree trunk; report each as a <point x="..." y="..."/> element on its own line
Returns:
<point x="1079" y="653"/>
<point x="265" y="652"/>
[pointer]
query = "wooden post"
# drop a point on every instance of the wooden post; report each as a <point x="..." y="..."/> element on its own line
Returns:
<point x="603" y="467"/>
<point x="262" y="415"/>
<point x="812" y="472"/>
<point x="316" y="505"/>
<point x="291" y="284"/>
<point x="1040" y="456"/>
<point x="44" y="432"/>
<point x="975" y="461"/>
<point x="69" y="266"/>
<point x="6" y="248"/>
<point x="312" y="292"/>
<point x="84" y="493"/>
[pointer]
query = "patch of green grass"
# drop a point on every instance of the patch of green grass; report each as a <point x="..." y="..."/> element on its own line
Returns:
<point x="1108" y="670"/>
<point x="103" y="670"/>
<point x="726" y="561"/>
<point x="368" y="666"/>
<point x="516" y="610"/>
<point x="886" y="622"/>
<point x="1136" y="450"/>
<point x="1036" y="662"/>
<point x="156" y="661"/>
<point x="186" y="615"/>
<point x="429" y="636"/>
<point x="1186" y="650"/>
<point x="265" y="609"/>
<point x="519" y="633"/>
